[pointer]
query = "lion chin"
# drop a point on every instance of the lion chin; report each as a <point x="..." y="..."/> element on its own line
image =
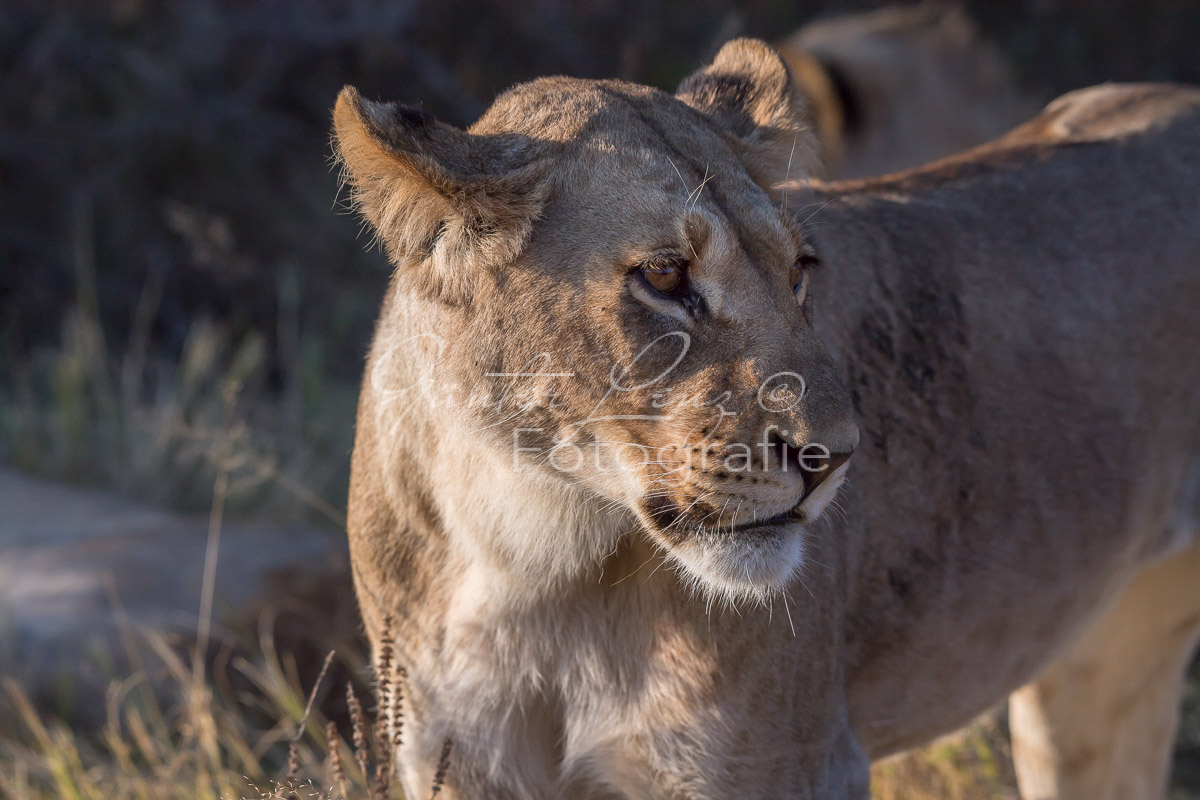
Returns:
<point x="735" y="570"/>
<point x="750" y="564"/>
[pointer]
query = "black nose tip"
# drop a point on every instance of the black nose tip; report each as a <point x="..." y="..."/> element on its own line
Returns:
<point x="816" y="469"/>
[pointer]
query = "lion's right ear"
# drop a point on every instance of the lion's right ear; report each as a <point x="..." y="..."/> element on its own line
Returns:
<point x="444" y="202"/>
<point x="748" y="92"/>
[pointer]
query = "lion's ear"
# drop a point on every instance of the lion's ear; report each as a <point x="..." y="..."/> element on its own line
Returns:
<point x="444" y="202"/>
<point x="748" y="92"/>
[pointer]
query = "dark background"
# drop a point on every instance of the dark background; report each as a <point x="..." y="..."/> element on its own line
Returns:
<point x="168" y="222"/>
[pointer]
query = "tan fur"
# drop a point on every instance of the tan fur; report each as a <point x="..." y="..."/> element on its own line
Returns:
<point x="1014" y="332"/>
<point x="900" y="86"/>
<point x="1099" y="723"/>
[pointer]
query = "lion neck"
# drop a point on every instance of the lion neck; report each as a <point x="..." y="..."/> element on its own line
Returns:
<point x="531" y="529"/>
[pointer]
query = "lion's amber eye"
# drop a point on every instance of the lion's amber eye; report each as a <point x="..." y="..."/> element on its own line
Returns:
<point x="797" y="277"/>
<point x="665" y="279"/>
<point x="800" y="273"/>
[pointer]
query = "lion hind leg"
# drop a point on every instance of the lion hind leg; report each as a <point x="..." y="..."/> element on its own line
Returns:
<point x="1099" y="723"/>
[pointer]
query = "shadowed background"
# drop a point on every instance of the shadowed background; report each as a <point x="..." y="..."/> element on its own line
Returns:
<point x="168" y="193"/>
<point x="184" y="299"/>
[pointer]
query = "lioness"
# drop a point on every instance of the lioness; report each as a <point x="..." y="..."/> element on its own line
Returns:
<point x="900" y="86"/>
<point x="601" y="435"/>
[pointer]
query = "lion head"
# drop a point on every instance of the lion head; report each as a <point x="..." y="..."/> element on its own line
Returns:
<point x="605" y="294"/>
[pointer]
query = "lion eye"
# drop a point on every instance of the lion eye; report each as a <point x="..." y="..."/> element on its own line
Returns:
<point x="799" y="278"/>
<point x="800" y="272"/>
<point x="665" y="279"/>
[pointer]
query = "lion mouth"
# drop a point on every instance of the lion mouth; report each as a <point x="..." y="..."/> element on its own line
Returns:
<point x="806" y="509"/>
<point x="668" y="517"/>
<point x="793" y="515"/>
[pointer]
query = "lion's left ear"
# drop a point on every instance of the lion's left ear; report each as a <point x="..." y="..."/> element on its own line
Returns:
<point x="445" y="202"/>
<point x="749" y="93"/>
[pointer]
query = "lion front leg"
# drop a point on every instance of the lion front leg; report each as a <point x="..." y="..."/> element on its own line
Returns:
<point x="1099" y="723"/>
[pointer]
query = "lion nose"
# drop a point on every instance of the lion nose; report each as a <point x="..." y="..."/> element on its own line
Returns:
<point x="816" y="469"/>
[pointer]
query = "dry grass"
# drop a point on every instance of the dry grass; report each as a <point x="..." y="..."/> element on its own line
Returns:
<point x="248" y="732"/>
<point x="204" y="742"/>
<point x="162" y="428"/>
<point x="264" y="740"/>
<point x="244" y="732"/>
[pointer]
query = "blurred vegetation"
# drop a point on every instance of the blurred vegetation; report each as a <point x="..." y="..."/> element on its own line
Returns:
<point x="180" y="291"/>
<point x="169" y="218"/>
